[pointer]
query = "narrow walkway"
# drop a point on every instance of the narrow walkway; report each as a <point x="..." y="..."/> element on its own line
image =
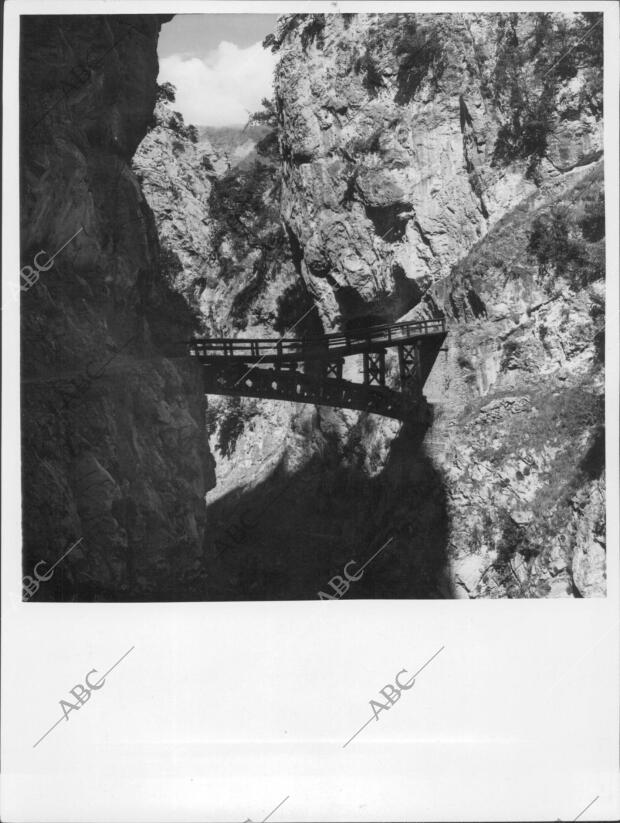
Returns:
<point x="239" y="367"/>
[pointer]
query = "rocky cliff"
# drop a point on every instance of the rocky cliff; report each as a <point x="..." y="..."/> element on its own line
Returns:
<point x="114" y="448"/>
<point x="305" y="478"/>
<point x="454" y="162"/>
<point x="406" y="137"/>
<point x="229" y="255"/>
<point x="422" y="163"/>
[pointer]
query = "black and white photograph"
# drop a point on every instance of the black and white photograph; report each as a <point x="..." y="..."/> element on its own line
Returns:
<point x="310" y="410"/>
<point x="316" y="316"/>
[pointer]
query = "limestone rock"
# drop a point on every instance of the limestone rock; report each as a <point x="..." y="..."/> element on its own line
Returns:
<point x="114" y="446"/>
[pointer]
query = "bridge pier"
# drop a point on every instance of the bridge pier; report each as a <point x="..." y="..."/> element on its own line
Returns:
<point x="410" y="364"/>
<point x="310" y="370"/>
<point x="334" y="368"/>
<point x="374" y="368"/>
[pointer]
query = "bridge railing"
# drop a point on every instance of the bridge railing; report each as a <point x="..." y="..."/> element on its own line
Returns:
<point x="310" y="347"/>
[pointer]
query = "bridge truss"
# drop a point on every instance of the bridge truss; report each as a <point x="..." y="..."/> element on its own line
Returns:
<point x="310" y="370"/>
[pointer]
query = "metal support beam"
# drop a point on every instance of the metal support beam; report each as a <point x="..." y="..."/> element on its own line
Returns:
<point x="334" y="368"/>
<point x="374" y="368"/>
<point x="409" y="363"/>
<point x="240" y="367"/>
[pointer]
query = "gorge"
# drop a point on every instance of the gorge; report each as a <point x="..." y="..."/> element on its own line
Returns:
<point x="409" y="166"/>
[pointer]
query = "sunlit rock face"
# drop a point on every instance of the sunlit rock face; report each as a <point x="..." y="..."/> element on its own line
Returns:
<point x="114" y="448"/>
<point x="415" y="178"/>
<point x="227" y="253"/>
<point x="177" y="175"/>
<point x="390" y="140"/>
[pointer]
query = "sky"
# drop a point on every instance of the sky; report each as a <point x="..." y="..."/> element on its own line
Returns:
<point x="218" y="65"/>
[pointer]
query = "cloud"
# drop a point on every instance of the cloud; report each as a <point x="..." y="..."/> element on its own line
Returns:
<point x="222" y="88"/>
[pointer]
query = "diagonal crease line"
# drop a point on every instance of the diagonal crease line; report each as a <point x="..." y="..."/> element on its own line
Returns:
<point x="583" y="656"/>
<point x="358" y="731"/>
<point x="67" y="243"/>
<point x="103" y="678"/>
<point x="253" y="366"/>
<point x="586" y="808"/>
<point x="117" y="662"/>
<point x="428" y="661"/>
<point x="598" y="22"/>
<point x="276" y="808"/>
<point x="60" y="249"/>
<point x="375" y="716"/>
<point x="48" y="731"/>
<point x="387" y="542"/>
<point x="70" y="549"/>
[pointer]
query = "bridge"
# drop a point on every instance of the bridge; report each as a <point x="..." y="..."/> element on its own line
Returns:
<point x="310" y="369"/>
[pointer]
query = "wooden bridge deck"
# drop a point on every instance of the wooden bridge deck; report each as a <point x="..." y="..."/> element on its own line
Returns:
<point x="241" y="367"/>
<point x="326" y="347"/>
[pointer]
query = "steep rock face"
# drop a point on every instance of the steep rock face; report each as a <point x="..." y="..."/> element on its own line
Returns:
<point x="176" y="175"/>
<point x="392" y="126"/>
<point x="227" y="252"/>
<point x="439" y="203"/>
<point x="519" y="428"/>
<point x="236" y="145"/>
<point x="316" y="484"/>
<point x="114" y="450"/>
<point x="222" y="239"/>
<point x="406" y="143"/>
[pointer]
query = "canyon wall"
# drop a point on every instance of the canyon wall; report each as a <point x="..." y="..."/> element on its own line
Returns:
<point x="300" y="489"/>
<point x="422" y="163"/>
<point x="227" y="253"/>
<point x="400" y="147"/>
<point x="114" y="449"/>
<point x="454" y="163"/>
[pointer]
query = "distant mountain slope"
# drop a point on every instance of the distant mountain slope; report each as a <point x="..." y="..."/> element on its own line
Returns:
<point x="236" y="143"/>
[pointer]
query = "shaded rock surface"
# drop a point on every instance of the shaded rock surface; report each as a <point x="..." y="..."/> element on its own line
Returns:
<point x="114" y="448"/>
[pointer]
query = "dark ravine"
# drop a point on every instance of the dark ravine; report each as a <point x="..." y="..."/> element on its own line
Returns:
<point x="121" y="460"/>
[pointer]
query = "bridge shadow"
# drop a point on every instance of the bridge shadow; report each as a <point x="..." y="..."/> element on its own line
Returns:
<point x="288" y="537"/>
